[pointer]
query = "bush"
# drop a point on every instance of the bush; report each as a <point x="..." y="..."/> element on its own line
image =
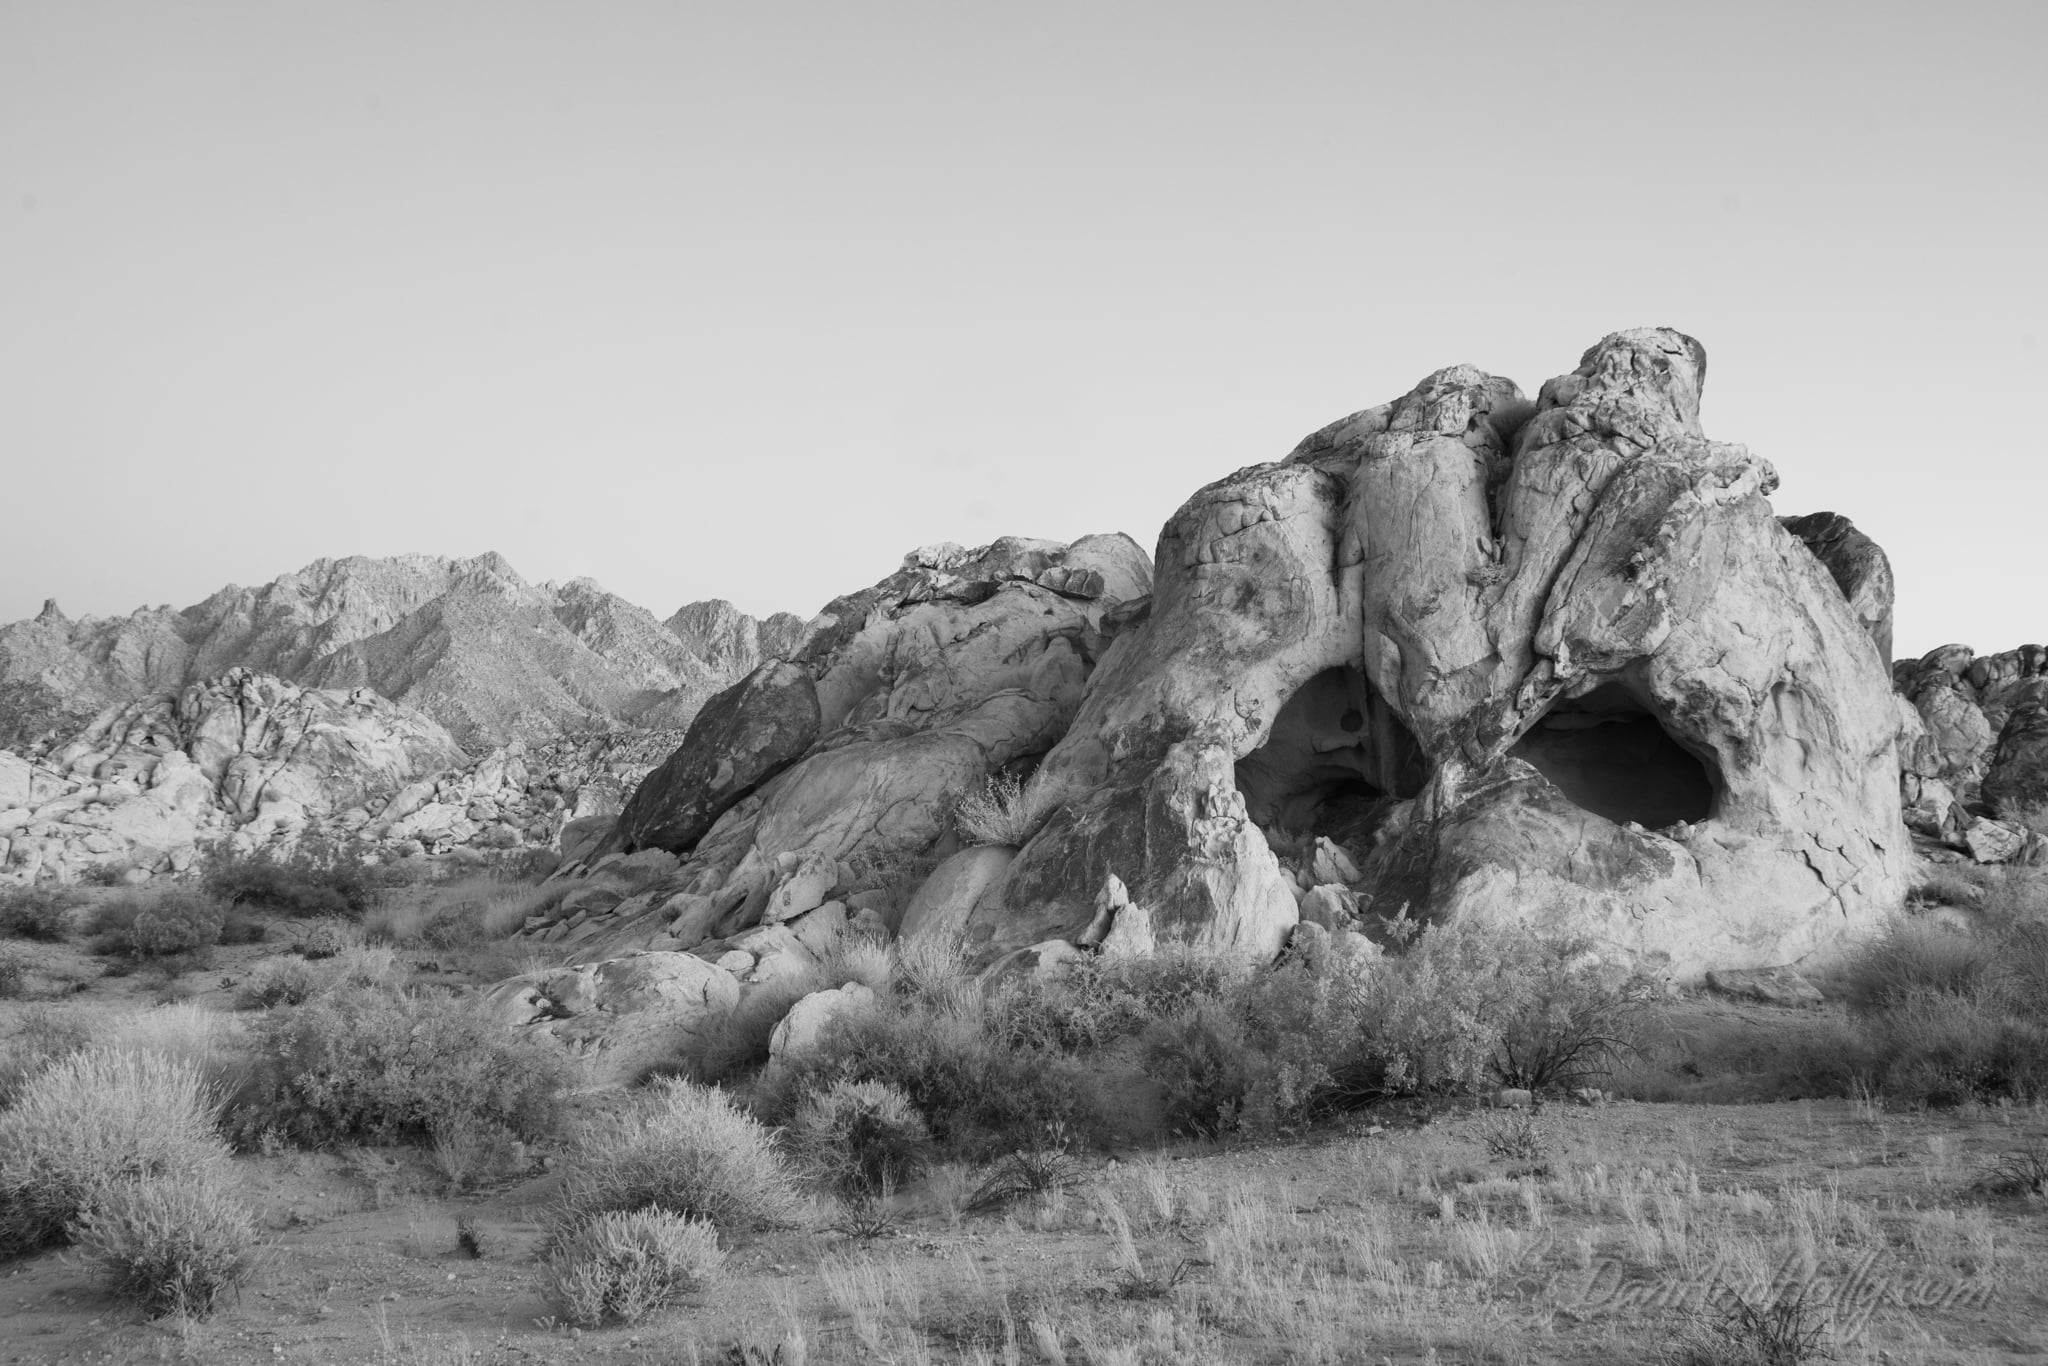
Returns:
<point x="87" y="1123"/>
<point x="173" y="1243"/>
<point x="976" y="1091"/>
<point x="285" y="981"/>
<point x="14" y="969"/>
<point x="1918" y="957"/>
<point x="44" y="912"/>
<point x="860" y="1138"/>
<point x="1007" y="811"/>
<point x="626" y="1265"/>
<point x="686" y="1150"/>
<point x="315" y="877"/>
<point x="37" y="1037"/>
<point x="472" y="911"/>
<point x="161" y="922"/>
<point x="738" y="1041"/>
<point x="1951" y="1016"/>
<point x="206" y="1040"/>
<point x="176" y="922"/>
<point x="1097" y="1001"/>
<point x="360" y="1062"/>
<point x="1203" y="1064"/>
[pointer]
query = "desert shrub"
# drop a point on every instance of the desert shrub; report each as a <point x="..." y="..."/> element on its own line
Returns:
<point x="172" y="1243"/>
<point x="159" y="922"/>
<point x="977" y="1091"/>
<point x="1939" y="1049"/>
<point x="361" y="1062"/>
<point x="44" y="912"/>
<point x="1099" y="1000"/>
<point x="212" y="1043"/>
<point x="686" y="1150"/>
<point x="85" y="1124"/>
<point x="1335" y="1023"/>
<point x="859" y="1138"/>
<point x="1788" y="1330"/>
<point x="1950" y="1015"/>
<point x="2028" y="815"/>
<point x="314" y="877"/>
<point x="457" y="914"/>
<point x="1571" y="1023"/>
<point x="2014" y="896"/>
<point x="36" y="1037"/>
<point x="1009" y="811"/>
<point x="1203" y="1062"/>
<point x="285" y="980"/>
<point x="625" y="1265"/>
<point x="329" y="937"/>
<point x="1917" y="957"/>
<point x="738" y="1041"/>
<point x="175" y="922"/>
<point x="932" y="969"/>
<point x="15" y="963"/>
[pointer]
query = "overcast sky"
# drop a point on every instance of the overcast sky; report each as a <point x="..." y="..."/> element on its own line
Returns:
<point x="746" y="300"/>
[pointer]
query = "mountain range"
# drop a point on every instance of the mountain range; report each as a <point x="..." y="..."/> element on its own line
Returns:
<point x="468" y="641"/>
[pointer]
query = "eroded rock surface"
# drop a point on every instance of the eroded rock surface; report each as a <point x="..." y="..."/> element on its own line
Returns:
<point x="1552" y="663"/>
<point x="261" y="762"/>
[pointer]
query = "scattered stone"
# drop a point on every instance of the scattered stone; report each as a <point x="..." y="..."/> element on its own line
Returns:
<point x="1777" y="986"/>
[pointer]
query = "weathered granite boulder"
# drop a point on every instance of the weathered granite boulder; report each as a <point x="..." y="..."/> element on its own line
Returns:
<point x="1858" y="566"/>
<point x="1552" y="663"/>
<point x="908" y="695"/>
<point x="2017" y="779"/>
<point x="744" y="736"/>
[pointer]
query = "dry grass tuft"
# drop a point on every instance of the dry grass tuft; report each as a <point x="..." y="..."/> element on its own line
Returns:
<point x="1008" y="811"/>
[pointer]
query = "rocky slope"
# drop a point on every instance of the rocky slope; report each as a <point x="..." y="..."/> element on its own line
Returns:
<point x="1974" y="750"/>
<point x="1466" y="654"/>
<point x="256" y="761"/>
<point x="467" y="641"/>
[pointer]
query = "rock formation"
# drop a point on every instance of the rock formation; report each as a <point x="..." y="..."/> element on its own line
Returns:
<point x="1973" y="749"/>
<point x="488" y="655"/>
<point x="1553" y="663"/>
<point x="254" y="759"/>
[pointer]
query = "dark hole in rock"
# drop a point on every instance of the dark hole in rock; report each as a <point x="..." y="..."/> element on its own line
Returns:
<point x="1609" y="753"/>
<point x="1336" y="760"/>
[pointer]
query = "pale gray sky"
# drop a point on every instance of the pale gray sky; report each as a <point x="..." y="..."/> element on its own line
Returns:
<point x="746" y="300"/>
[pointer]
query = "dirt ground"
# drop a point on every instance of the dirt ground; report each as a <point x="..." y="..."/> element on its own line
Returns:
<point x="1582" y="1233"/>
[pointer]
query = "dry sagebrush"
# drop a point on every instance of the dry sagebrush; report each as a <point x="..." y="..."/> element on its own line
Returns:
<point x="92" y="1121"/>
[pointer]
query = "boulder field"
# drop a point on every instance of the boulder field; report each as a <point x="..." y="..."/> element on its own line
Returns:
<point x="1552" y="662"/>
<point x="256" y="762"/>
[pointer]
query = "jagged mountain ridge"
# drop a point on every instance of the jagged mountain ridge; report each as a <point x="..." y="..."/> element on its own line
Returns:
<point x="468" y="641"/>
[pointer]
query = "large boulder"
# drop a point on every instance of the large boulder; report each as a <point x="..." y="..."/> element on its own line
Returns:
<point x="1858" y="566"/>
<point x="1551" y="662"/>
<point x="744" y="736"/>
<point x="2017" y="780"/>
<point x="903" y="697"/>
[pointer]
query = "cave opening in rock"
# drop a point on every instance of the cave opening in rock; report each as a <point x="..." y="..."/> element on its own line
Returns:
<point x="1609" y="753"/>
<point x="1335" y="761"/>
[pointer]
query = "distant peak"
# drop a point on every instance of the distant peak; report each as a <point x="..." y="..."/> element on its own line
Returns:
<point x="51" y="615"/>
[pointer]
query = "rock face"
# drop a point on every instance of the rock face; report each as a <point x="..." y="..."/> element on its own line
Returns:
<point x="1858" y="566"/>
<point x="1551" y="663"/>
<point x="244" y="752"/>
<point x="260" y="761"/>
<point x="488" y="655"/>
<point x="1975" y="741"/>
<point x="905" y="696"/>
